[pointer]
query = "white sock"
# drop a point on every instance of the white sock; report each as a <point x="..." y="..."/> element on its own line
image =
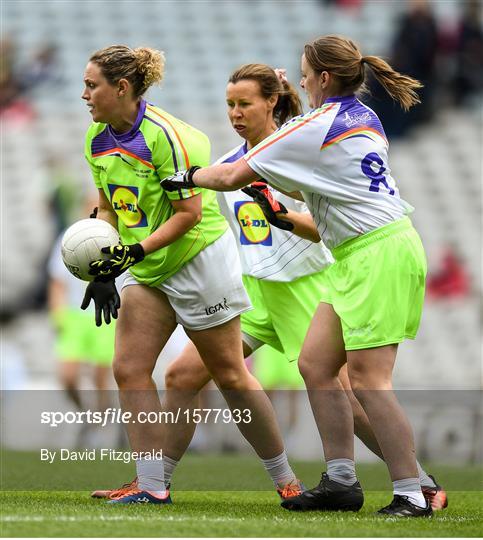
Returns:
<point x="342" y="471"/>
<point x="279" y="469"/>
<point x="425" y="480"/>
<point x="150" y="474"/>
<point x="410" y="488"/>
<point x="169" y="467"/>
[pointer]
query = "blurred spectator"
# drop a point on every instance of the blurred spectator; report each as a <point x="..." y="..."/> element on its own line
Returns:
<point x="413" y="53"/>
<point x="343" y="4"/>
<point x="42" y="69"/>
<point x="450" y="280"/>
<point x="468" y="79"/>
<point x="13" y="108"/>
<point x="18" y="82"/>
<point x="8" y="85"/>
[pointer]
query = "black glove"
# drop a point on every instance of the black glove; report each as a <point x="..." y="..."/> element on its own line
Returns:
<point x="106" y="300"/>
<point x="270" y="207"/>
<point x="180" y="180"/>
<point x="122" y="257"/>
<point x="93" y="214"/>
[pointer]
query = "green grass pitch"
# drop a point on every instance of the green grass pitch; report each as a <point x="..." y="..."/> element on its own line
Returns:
<point x="225" y="512"/>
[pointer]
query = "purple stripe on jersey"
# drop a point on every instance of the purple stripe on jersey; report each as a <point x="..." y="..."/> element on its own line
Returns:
<point x="173" y="152"/>
<point x="352" y="115"/>
<point x="237" y="155"/>
<point x="102" y="142"/>
<point x="136" y="145"/>
<point x="124" y="137"/>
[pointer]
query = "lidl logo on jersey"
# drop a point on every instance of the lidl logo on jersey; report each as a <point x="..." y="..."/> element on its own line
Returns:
<point x="124" y="200"/>
<point x="254" y="227"/>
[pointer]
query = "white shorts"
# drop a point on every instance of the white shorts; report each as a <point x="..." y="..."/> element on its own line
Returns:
<point x="208" y="290"/>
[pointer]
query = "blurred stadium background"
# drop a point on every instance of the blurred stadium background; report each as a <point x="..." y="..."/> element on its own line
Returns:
<point x="436" y="157"/>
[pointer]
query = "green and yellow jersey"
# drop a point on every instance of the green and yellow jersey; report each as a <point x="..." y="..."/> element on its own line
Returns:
<point x="129" y="166"/>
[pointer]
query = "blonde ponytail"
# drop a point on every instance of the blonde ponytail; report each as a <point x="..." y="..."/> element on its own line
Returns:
<point x="342" y="58"/>
<point x="401" y="88"/>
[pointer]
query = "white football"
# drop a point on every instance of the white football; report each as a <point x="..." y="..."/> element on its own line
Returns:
<point x="82" y="243"/>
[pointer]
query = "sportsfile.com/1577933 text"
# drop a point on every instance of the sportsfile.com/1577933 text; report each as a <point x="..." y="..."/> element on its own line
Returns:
<point x="113" y="415"/>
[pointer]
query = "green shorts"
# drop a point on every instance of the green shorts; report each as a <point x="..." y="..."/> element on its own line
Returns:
<point x="274" y="372"/>
<point x="80" y="340"/>
<point x="282" y="311"/>
<point x="376" y="286"/>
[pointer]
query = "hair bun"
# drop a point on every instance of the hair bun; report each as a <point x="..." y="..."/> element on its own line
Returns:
<point x="281" y="74"/>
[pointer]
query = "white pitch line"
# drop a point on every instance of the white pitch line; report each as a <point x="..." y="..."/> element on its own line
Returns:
<point x="39" y="519"/>
<point x="73" y="519"/>
<point x="165" y="518"/>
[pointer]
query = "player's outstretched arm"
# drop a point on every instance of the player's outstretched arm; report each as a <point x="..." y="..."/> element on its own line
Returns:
<point x="222" y="177"/>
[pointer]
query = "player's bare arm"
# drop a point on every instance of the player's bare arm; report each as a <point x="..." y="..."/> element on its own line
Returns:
<point x="226" y="176"/>
<point x="187" y="215"/>
<point x="105" y="210"/>
<point x="304" y="225"/>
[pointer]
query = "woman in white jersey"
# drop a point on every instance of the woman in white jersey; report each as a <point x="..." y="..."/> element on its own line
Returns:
<point x="281" y="272"/>
<point x="169" y="243"/>
<point x="336" y="156"/>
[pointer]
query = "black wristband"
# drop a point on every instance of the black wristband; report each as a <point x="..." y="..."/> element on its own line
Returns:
<point x="190" y="172"/>
<point x="137" y="252"/>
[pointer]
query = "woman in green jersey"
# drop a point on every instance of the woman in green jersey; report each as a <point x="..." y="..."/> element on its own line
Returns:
<point x="172" y="242"/>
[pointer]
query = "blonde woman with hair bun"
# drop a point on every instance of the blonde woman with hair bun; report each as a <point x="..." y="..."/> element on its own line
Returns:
<point x="181" y="261"/>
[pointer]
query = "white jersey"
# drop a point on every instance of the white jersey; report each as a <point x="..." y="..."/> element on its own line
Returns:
<point x="336" y="156"/>
<point x="268" y="252"/>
